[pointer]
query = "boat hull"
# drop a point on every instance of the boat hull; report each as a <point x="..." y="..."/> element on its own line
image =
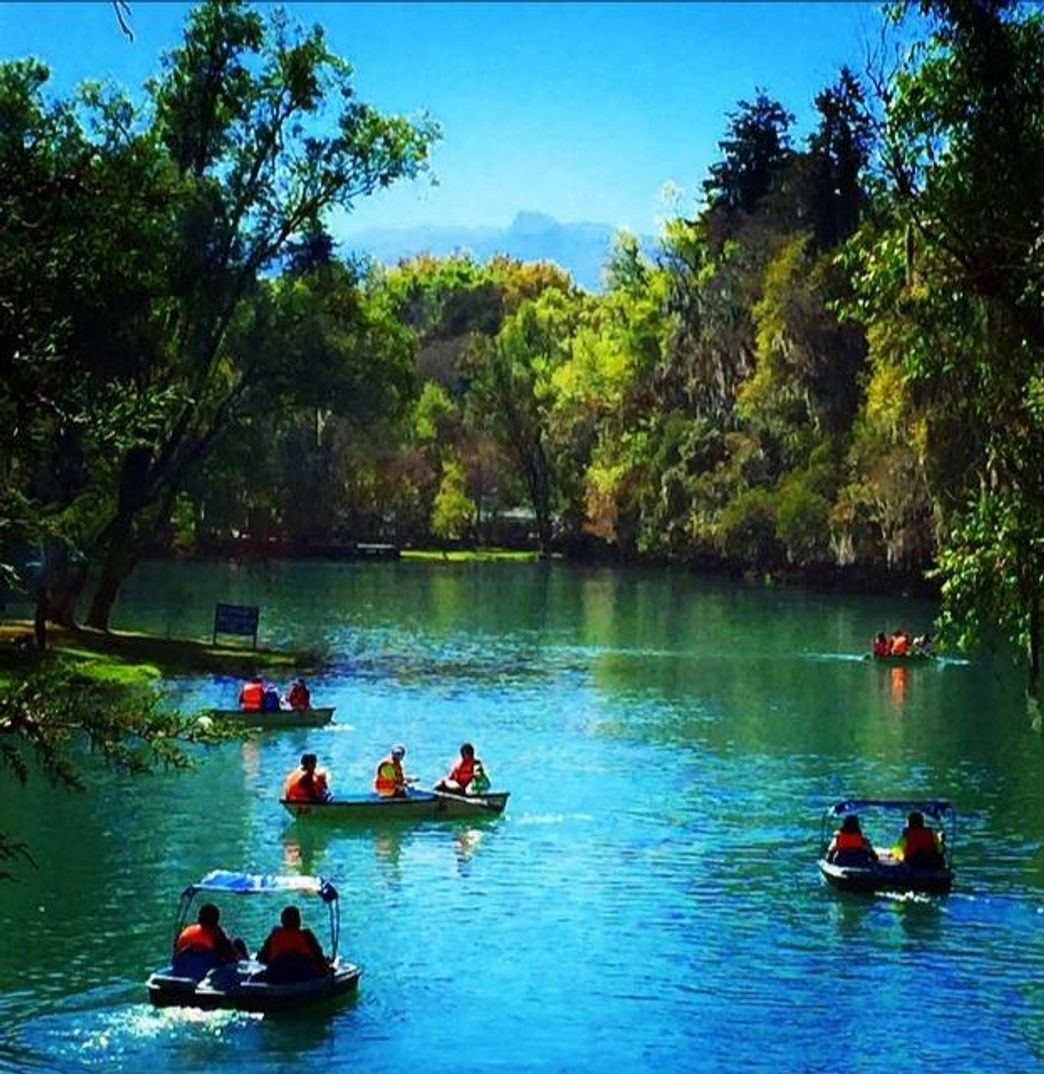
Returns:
<point x="371" y="808"/>
<point x="242" y="988"/>
<point x="896" y="661"/>
<point x="280" y="719"/>
<point x="887" y="875"/>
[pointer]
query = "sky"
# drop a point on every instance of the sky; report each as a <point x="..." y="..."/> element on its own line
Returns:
<point x="601" y="112"/>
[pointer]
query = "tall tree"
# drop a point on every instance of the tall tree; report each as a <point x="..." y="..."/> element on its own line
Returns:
<point x="951" y="291"/>
<point x="260" y="125"/>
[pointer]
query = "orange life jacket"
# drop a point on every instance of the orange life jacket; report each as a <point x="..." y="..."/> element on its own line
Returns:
<point x="919" y="841"/>
<point x="283" y="941"/>
<point x="196" y="937"/>
<point x="302" y="786"/>
<point x="849" y="840"/>
<point x="389" y="779"/>
<point x="900" y="645"/>
<point x="463" y="771"/>
<point x="250" y="696"/>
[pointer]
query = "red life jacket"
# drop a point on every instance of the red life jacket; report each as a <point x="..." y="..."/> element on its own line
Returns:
<point x="250" y="696"/>
<point x="882" y="647"/>
<point x="919" y="841"/>
<point x="849" y="840"/>
<point x="389" y="779"/>
<point x="302" y="786"/>
<point x="196" y="937"/>
<point x="283" y="941"/>
<point x="463" y="771"/>
<point x="299" y="697"/>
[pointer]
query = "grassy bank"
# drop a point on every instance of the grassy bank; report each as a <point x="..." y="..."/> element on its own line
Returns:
<point x="126" y="657"/>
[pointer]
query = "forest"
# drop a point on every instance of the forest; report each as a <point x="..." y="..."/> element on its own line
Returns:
<point x="833" y="367"/>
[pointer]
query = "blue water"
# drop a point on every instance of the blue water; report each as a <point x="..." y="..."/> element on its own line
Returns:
<point x="650" y="896"/>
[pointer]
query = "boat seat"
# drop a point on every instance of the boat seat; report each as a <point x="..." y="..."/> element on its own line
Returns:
<point x="194" y="964"/>
<point x="851" y="858"/>
<point x="290" y="969"/>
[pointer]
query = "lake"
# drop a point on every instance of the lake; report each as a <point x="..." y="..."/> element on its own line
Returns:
<point x="650" y="897"/>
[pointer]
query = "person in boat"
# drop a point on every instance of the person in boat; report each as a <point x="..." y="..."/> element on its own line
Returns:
<point x="291" y="953"/>
<point x="252" y="694"/>
<point x="461" y="777"/>
<point x="300" y="696"/>
<point x="270" y="700"/>
<point x="307" y="783"/>
<point x="919" y="846"/>
<point x="923" y="643"/>
<point x="900" y="643"/>
<point x="390" y="780"/>
<point x="881" y="646"/>
<point x="849" y="845"/>
<point x="203" y="946"/>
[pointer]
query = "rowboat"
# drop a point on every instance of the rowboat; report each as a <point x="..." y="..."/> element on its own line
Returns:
<point x="852" y="871"/>
<point x="896" y="661"/>
<point x="244" y="985"/>
<point x="278" y="718"/>
<point x="416" y="805"/>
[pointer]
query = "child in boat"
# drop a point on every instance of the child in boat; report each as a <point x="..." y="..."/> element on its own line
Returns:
<point x="849" y="846"/>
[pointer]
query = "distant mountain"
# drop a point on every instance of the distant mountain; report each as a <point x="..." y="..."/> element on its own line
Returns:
<point x="581" y="249"/>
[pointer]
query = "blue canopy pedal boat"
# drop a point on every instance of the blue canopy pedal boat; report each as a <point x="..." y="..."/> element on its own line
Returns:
<point x="849" y="870"/>
<point x="417" y="805"/>
<point x="244" y="985"/>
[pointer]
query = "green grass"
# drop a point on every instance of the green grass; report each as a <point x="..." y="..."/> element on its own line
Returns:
<point x="478" y="555"/>
<point x="129" y="658"/>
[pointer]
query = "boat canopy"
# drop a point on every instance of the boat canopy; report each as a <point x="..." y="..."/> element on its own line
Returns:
<point x="233" y="883"/>
<point x="931" y="807"/>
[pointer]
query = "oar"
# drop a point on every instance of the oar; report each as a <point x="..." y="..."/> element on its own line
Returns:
<point x="471" y="800"/>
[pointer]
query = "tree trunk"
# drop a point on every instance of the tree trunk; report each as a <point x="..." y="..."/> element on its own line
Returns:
<point x="1033" y="648"/>
<point x="118" y="563"/>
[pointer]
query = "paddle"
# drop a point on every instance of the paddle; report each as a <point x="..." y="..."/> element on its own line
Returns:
<point x="471" y="800"/>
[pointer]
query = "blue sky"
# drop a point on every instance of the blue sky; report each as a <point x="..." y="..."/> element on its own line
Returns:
<point x="581" y="111"/>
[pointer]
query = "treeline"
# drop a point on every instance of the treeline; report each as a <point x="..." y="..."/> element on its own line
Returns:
<point x="836" y="363"/>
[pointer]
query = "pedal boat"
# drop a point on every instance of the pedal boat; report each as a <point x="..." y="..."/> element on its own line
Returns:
<point x="852" y="872"/>
<point x="243" y="985"/>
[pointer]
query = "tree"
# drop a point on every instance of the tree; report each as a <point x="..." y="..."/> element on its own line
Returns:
<point x="249" y="158"/>
<point x="950" y="290"/>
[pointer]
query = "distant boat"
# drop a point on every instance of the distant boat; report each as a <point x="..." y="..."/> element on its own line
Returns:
<point x="895" y="660"/>
<point x="417" y="805"/>
<point x="278" y="718"/>
<point x="889" y="874"/>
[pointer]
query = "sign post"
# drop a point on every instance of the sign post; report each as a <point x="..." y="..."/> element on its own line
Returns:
<point x="240" y="619"/>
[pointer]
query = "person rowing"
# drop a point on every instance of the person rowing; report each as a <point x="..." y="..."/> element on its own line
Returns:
<point x="467" y="776"/>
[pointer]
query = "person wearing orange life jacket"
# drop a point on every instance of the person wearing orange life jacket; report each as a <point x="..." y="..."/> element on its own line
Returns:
<point x="900" y="643"/>
<point x="307" y="783"/>
<point x="252" y="694"/>
<point x="390" y="781"/>
<point x="919" y="846"/>
<point x="292" y="953"/>
<point x="299" y="697"/>
<point x="204" y="945"/>
<point x="849" y="846"/>
<point x="463" y="773"/>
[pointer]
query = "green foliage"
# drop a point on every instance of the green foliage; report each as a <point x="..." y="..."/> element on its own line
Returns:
<point x="453" y="512"/>
<point x="748" y="529"/>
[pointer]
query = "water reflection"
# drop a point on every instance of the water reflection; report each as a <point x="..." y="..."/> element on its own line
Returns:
<point x="898" y="680"/>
